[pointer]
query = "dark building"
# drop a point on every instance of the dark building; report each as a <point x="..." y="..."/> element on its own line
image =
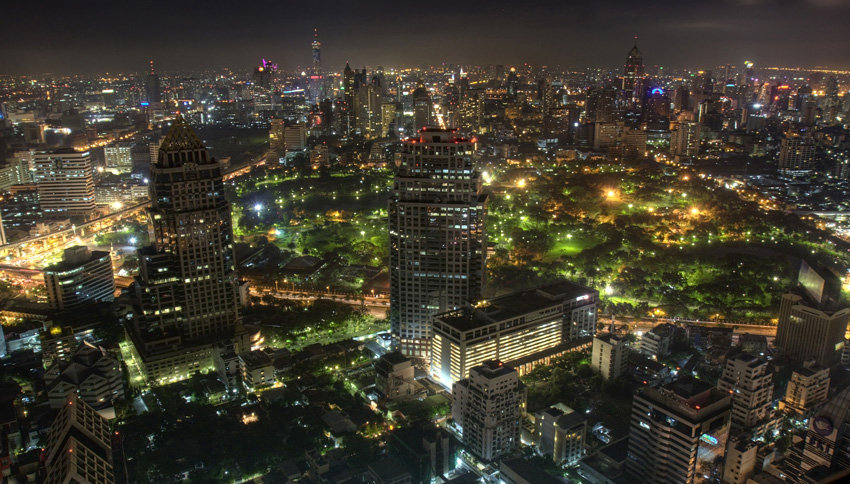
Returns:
<point x="187" y="288"/>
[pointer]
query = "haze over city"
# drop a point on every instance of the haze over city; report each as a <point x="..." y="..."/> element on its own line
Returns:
<point x="63" y="37"/>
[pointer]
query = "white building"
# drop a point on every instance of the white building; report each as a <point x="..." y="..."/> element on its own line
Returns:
<point x="119" y="158"/>
<point x="559" y="432"/>
<point x="65" y="182"/>
<point x="747" y="379"/>
<point x="488" y="407"/>
<point x="610" y="357"/>
<point x="510" y="328"/>
<point x="808" y="387"/>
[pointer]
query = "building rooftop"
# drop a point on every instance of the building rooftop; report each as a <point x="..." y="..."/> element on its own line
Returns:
<point x="74" y="258"/>
<point x="493" y="368"/>
<point x="516" y="304"/>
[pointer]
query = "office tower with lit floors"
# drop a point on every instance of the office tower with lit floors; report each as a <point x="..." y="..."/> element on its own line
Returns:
<point x="65" y="181"/>
<point x="488" y="407"/>
<point x="437" y="214"/>
<point x="187" y="289"/>
<point x="675" y="430"/>
<point x="633" y="76"/>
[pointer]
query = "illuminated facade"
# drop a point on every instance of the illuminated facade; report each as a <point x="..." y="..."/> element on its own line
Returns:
<point x="510" y="328"/>
<point x="559" y="432"/>
<point x="488" y="406"/>
<point x="187" y="289"/>
<point x="748" y="380"/>
<point x="82" y="278"/>
<point x="796" y="155"/>
<point x="437" y="214"/>
<point x="633" y="76"/>
<point x="610" y="357"/>
<point x="675" y="429"/>
<point x="65" y="181"/>
<point x="808" y="387"/>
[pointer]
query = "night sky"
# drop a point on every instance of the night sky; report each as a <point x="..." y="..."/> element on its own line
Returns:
<point x="97" y="36"/>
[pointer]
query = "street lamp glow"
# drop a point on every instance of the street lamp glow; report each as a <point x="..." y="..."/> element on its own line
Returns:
<point x="258" y="207"/>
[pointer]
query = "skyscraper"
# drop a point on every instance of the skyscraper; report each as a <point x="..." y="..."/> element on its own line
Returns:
<point x="437" y="214"/>
<point x="187" y="286"/>
<point x="633" y="74"/>
<point x="65" y="182"/>
<point x="674" y="430"/>
<point x="804" y="331"/>
<point x="796" y="155"/>
<point x="348" y="115"/>
<point x="153" y="91"/>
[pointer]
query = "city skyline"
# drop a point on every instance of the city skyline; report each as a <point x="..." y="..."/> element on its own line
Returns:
<point x="769" y="33"/>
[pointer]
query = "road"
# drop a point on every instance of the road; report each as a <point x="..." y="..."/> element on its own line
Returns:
<point x="646" y="325"/>
<point x="376" y="306"/>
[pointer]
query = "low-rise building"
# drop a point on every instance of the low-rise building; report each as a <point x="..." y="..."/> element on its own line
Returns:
<point x="610" y="356"/>
<point x="394" y="376"/>
<point x="560" y="432"/>
<point x="257" y="369"/>
<point x="656" y="342"/>
<point x="514" y="327"/>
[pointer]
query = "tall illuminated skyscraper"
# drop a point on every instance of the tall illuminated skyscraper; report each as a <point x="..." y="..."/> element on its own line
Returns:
<point x="437" y="214"/>
<point x="633" y="74"/>
<point x="187" y="286"/>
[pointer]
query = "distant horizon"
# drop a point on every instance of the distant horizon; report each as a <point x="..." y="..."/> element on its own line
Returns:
<point x="369" y="66"/>
<point x="60" y="37"/>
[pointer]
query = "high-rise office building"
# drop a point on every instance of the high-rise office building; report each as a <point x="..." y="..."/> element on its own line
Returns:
<point x="82" y="278"/>
<point x="676" y="429"/>
<point x="348" y="108"/>
<point x="119" y="158"/>
<point x="488" y="407"/>
<point x="79" y="446"/>
<point x="153" y="90"/>
<point x="437" y="214"/>
<point x="277" y="142"/>
<point x="747" y="379"/>
<point x="65" y="181"/>
<point x="796" y="155"/>
<point x="685" y="139"/>
<point x="806" y="332"/>
<point x="609" y="357"/>
<point x="187" y="287"/>
<point x="523" y="326"/>
<point x="422" y="107"/>
<point x="633" y="76"/>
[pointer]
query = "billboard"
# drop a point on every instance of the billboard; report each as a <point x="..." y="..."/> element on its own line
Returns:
<point x="811" y="281"/>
